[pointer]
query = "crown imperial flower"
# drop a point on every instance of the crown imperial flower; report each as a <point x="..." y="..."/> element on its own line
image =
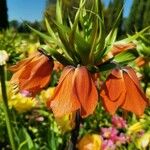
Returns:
<point x="75" y="91"/>
<point x="32" y="74"/>
<point x="122" y="89"/>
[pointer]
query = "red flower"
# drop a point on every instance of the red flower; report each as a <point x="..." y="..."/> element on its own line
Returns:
<point x="75" y="90"/>
<point x="122" y="89"/>
<point x="32" y="74"/>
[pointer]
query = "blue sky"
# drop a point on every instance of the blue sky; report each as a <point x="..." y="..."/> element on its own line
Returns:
<point x="32" y="10"/>
<point x="127" y="6"/>
<point x="26" y="9"/>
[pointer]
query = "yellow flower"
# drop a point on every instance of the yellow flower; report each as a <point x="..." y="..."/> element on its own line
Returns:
<point x="136" y="127"/>
<point x="67" y="122"/>
<point x="90" y="142"/>
<point x="144" y="141"/>
<point x="21" y="103"/>
<point x="32" y="47"/>
<point x="18" y="101"/>
<point x="46" y="94"/>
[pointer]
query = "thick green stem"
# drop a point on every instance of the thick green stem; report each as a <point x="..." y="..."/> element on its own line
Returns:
<point x="5" y="107"/>
<point x="75" y="133"/>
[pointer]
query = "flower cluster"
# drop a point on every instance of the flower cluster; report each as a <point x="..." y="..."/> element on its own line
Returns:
<point x="76" y="89"/>
<point x="112" y="137"/>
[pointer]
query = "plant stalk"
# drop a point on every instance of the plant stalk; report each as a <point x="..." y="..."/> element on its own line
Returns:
<point x="75" y="133"/>
<point x="5" y="107"/>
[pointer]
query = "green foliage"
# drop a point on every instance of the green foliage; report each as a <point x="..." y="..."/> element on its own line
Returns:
<point x="94" y="122"/>
<point x="140" y="10"/>
<point x="146" y="19"/>
<point x="111" y="14"/>
<point x="31" y="133"/>
<point x="10" y="42"/>
<point x="3" y="135"/>
<point x="17" y="45"/>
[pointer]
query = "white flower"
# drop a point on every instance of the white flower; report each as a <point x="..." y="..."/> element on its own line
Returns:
<point x="3" y="57"/>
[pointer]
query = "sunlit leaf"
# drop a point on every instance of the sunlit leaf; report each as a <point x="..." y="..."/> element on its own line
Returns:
<point x="125" y="56"/>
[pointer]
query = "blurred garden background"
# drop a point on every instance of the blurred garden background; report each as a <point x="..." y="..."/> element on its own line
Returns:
<point x="34" y="125"/>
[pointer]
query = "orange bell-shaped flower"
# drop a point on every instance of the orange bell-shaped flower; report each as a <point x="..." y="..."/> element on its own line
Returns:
<point x="122" y="89"/>
<point x="117" y="48"/>
<point x="31" y="75"/>
<point x="75" y="90"/>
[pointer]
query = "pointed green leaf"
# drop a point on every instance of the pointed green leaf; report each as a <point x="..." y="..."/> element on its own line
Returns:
<point x="125" y="56"/>
<point x="49" y="29"/>
<point x="59" y="11"/>
<point x="42" y="35"/>
<point x="99" y="56"/>
<point x="133" y="37"/>
<point x="81" y="44"/>
<point x="27" y="141"/>
<point x="52" y="34"/>
<point x="111" y="38"/>
<point x="58" y="56"/>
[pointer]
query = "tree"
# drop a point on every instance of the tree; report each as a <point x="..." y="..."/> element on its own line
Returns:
<point x="14" y="24"/>
<point x="68" y="5"/>
<point x="108" y="16"/>
<point x="111" y="14"/>
<point x="146" y="16"/>
<point x="3" y="15"/>
<point x="139" y="16"/>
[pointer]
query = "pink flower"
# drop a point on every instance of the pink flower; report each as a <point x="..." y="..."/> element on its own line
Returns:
<point x="112" y="138"/>
<point x="118" y="122"/>
<point x="108" y="145"/>
<point x="109" y="133"/>
<point x="25" y="93"/>
<point x="121" y="139"/>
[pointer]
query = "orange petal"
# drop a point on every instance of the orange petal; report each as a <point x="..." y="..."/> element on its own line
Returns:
<point x="141" y="61"/>
<point x="38" y="81"/>
<point x="133" y="76"/>
<point x="62" y="102"/>
<point x="33" y="73"/>
<point x="135" y="101"/>
<point x="113" y="83"/>
<point x="16" y="75"/>
<point x="117" y="48"/>
<point x="20" y="64"/>
<point x="117" y="73"/>
<point x="38" y="75"/>
<point x="31" y="68"/>
<point x="84" y="91"/>
<point x="113" y="93"/>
